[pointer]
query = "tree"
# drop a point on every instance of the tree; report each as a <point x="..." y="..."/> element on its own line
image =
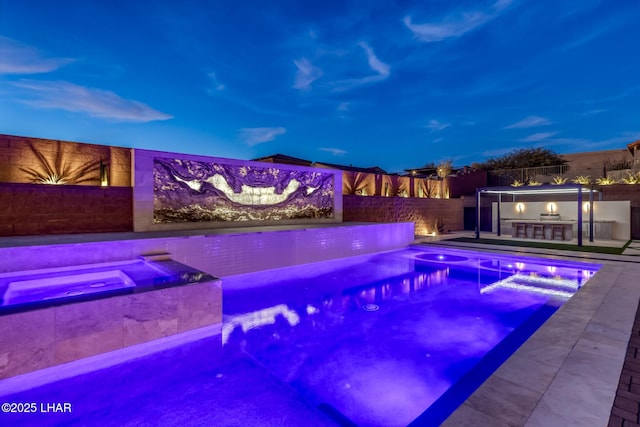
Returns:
<point x="444" y="168"/>
<point x="523" y="158"/>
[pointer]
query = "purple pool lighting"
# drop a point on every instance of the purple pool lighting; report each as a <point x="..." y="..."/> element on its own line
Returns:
<point x="304" y="345"/>
<point x="45" y="288"/>
<point x="400" y="336"/>
<point x="35" y="289"/>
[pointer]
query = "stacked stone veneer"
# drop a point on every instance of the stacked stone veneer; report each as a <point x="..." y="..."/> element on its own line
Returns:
<point x="46" y="337"/>
<point x="425" y="213"/>
<point x="34" y="209"/>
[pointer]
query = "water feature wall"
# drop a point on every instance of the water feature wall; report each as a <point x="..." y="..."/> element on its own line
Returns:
<point x="179" y="191"/>
<point x="219" y="253"/>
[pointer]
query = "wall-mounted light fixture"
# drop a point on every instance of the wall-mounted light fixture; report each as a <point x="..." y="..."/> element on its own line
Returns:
<point x="586" y="206"/>
<point x="552" y="207"/>
<point x="520" y="207"/>
<point x="104" y="175"/>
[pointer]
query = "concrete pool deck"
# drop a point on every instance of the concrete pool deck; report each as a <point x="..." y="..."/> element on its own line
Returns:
<point x="568" y="372"/>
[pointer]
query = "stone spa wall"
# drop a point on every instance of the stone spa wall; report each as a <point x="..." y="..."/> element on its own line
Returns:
<point x="51" y="336"/>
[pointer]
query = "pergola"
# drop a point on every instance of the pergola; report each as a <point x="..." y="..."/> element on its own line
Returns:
<point x="578" y="189"/>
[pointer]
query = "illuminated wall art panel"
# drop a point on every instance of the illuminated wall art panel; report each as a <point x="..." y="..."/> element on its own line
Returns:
<point x="197" y="191"/>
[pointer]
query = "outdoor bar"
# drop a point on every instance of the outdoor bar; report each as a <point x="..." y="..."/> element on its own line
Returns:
<point x="549" y="225"/>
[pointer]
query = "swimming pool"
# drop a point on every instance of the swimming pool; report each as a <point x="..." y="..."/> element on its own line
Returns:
<point x="395" y="338"/>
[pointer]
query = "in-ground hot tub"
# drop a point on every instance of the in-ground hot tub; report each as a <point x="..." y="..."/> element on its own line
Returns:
<point x="23" y="291"/>
<point x="57" y="315"/>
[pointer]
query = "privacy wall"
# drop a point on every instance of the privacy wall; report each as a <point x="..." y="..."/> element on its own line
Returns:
<point x="429" y="215"/>
<point x="30" y="209"/>
<point x="178" y="191"/>
<point x="49" y="161"/>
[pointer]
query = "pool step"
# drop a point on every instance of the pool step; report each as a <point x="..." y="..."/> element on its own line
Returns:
<point x="558" y="287"/>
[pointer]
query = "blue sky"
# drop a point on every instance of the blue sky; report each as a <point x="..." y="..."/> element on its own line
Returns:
<point x="396" y="84"/>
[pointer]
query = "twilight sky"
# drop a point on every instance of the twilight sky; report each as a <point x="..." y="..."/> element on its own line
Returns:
<point x="396" y="84"/>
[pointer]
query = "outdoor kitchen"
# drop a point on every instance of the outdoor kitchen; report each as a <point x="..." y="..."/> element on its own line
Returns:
<point x="558" y="221"/>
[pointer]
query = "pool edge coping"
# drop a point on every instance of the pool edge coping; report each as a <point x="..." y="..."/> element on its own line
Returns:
<point x="603" y="331"/>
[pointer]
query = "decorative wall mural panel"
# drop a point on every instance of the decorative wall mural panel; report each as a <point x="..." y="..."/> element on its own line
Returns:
<point x="194" y="191"/>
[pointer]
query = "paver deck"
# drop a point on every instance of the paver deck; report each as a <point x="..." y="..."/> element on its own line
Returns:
<point x="626" y="405"/>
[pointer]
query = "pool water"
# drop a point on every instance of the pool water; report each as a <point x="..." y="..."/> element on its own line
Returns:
<point x="393" y="339"/>
<point x="379" y="342"/>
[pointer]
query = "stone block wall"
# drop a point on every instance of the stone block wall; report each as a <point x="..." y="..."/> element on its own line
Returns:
<point x="466" y="184"/>
<point x="427" y="214"/>
<point x="32" y="209"/>
<point x="23" y="159"/>
<point x="629" y="192"/>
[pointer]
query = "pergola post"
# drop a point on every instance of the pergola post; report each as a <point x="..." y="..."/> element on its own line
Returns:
<point x="580" y="216"/>
<point x="477" y="214"/>
<point x="499" y="206"/>
<point x="591" y="214"/>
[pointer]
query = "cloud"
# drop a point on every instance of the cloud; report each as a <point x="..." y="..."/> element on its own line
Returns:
<point x="583" y="144"/>
<point x="538" y="136"/>
<point x="455" y="26"/>
<point x="17" y="58"/>
<point x="344" y="106"/>
<point x="255" y="136"/>
<point x="529" y="122"/>
<point x="60" y="95"/>
<point x="382" y="71"/>
<point x="215" y="83"/>
<point x="334" y="151"/>
<point x="307" y="73"/>
<point x="436" y="126"/>
<point x="594" y="112"/>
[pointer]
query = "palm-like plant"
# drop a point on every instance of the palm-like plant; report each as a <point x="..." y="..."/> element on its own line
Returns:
<point x="607" y="180"/>
<point x="582" y="179"/>
<point x="59" y="171"/>
<point x="558" y="180"/>
<point x="632" y="178"/>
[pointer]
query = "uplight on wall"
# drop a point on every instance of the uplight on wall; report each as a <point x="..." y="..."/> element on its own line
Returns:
<point x="552" y="207"/>
<point x="104" y="176"/>
<point x="586" y="206"/>
<point x="520" y="207"/>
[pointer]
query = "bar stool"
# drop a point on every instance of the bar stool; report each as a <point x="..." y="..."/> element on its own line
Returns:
<point x="557" y="230"/>
<point x="521" y="230"/>
<point x="538" y="231"/>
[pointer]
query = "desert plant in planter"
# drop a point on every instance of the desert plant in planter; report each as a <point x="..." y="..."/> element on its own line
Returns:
<point x="582" y="179"/>
<point x="558" y="180"/>
<point x="607" y="180"/>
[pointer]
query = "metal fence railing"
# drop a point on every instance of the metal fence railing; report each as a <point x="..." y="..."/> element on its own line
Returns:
<point x="550" y="174"/>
